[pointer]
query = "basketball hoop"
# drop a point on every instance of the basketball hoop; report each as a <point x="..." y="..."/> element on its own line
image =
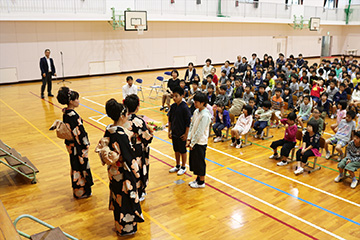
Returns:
<point x="140" y="29"/>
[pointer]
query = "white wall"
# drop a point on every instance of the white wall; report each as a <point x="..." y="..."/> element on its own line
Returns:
<point x="93" y="47"/>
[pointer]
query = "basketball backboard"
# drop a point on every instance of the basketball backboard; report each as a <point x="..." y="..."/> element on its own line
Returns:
<point x="135" y="20"/>
<point x="314" y="24"/>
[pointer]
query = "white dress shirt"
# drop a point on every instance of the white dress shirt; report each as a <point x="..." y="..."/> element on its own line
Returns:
<point x="48" y="63"/>
<point x="127" y="90"/>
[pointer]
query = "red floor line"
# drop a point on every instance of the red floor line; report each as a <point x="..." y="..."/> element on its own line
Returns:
<point x="211" y="186"/>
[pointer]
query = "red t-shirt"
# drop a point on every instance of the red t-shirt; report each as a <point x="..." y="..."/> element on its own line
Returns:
<point x="215" y="79"/>
<point x="315" y="91"/>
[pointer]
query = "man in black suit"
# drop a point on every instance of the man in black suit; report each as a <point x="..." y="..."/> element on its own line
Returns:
<point x="47" y="68"/>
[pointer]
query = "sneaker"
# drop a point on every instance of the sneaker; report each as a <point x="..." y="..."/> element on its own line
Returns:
<point x="181" y="171"/>
<point x="353" y="183"/>
<point x="162" y="108"/>
<point x="233" y="144"/>
<point x="196" y="185"/>
<point x="238" y="145"/>
<point x="192" y="182"/>
<point x="274" y="156"/>
<point x="338" y="178"/>
<point x="42" y="96"/>
<point x="298" y="171"/>
<point x="174" y="169"/>
<point x="256" y="136"/>
<point x="327" y="155"/>
<point x="340" y="157"/>
<point x="166" y="109"/>
<point x="281" y="163"/>
<point x="50" y="95"/>
<point x="217" y="139"/>
<point x="332" y="116"/>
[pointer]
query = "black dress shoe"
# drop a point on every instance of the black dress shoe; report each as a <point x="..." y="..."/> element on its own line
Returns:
<point x="42" y="96"/>
<point x="50" y="95"/>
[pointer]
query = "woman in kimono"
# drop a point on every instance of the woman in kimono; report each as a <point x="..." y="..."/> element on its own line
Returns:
<point x="141" y="139"/>
<point x="78" y="148"/>
<point x="116" y="150"/>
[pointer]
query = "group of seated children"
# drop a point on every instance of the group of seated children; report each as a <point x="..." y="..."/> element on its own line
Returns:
<point x="259" y="93"/>
<point x="344" y="131"/>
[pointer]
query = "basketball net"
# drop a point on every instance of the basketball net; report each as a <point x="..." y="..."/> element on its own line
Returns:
<point x="140" y="29"/>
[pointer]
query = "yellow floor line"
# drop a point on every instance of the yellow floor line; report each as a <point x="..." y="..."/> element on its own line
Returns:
<point x="94" y="174"/>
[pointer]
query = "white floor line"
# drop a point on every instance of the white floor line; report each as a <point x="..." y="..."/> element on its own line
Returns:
<point x="85" y="98"/>
<point x="262" y="201"/>
<point x="286" y="177"/>
<point x="114" y="93"/>
<point x="251" y="196"/>
<point x="102" y="105"/>
<point x="278" y="174"/>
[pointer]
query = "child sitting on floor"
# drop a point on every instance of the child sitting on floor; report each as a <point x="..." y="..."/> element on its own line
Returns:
<point x="242" y="126"/>
<point x="352" y="160"/>
<point x="288" y="142"/>
<point x="310" y="147"/>
<point x="263" y="116"/>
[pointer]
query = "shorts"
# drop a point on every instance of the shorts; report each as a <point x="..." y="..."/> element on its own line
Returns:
<point x="352" y="166"/>
<point x="179" y="145"/>
<point x="305" y="118"/>
<point x="197" y="160"/>
<point x="334" y="140"/>
<point x="239" y="129"/>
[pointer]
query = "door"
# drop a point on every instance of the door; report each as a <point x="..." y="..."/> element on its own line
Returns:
<point x="326" y="46"/>
<point x="280" y="45"/>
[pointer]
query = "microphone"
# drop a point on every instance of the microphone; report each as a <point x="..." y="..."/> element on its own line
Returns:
<point x="61" y="52"/>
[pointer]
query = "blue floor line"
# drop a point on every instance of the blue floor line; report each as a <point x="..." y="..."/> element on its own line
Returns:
<point x="277" y="189"/>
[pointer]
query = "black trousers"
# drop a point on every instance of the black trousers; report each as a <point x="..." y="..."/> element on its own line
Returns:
<point x="286" y="146"/>
<point x="304" y="158"/>
<point x="46" y="80"/>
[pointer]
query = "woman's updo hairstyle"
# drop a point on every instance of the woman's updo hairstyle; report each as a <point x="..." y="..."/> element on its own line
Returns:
<point x="114" y="109"/>
<point x="65" y="95"/>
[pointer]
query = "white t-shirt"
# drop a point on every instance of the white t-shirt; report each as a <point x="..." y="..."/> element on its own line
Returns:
<point x="127" y="90"/>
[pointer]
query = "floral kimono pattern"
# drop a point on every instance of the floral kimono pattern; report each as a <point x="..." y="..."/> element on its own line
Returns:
<point x="141" y="140"/>
<point x="115" y="149"/>
<point x="78" y="149"/>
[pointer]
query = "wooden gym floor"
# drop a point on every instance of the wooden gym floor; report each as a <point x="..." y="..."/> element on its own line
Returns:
<point x="247" y="196"/>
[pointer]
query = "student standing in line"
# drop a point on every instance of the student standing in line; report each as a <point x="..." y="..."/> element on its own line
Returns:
<point x="141" y="139"/>
<point x="78" y="148"/>
<point x="179" y="123"/>
<point x="117" y="152"/>
<point x="197" y="140"/>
